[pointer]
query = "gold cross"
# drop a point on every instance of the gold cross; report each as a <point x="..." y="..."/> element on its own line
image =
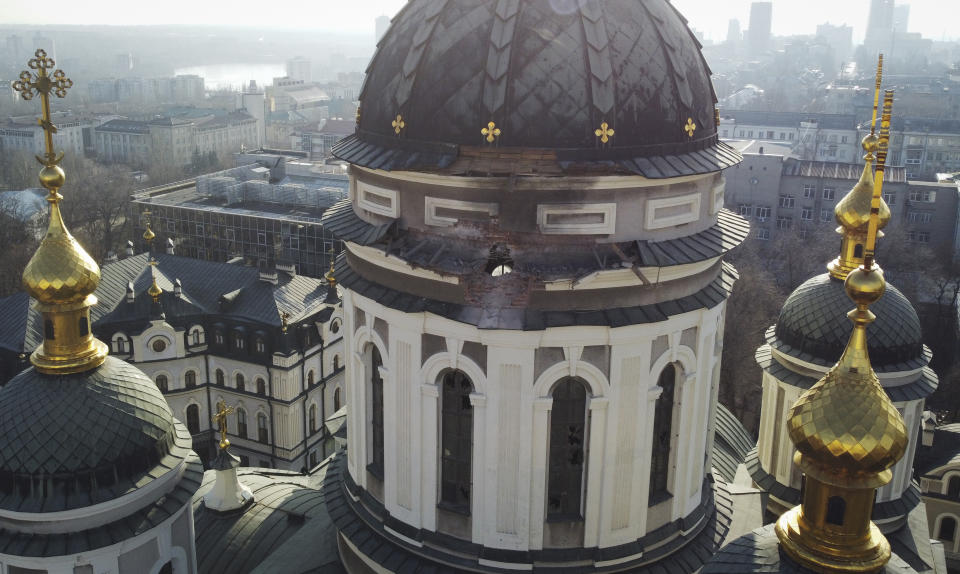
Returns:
<point x="398" y="124"/>
<point x="221" y="417"/>
<point x="604" y="133"/>
<point x="42" y="83"/>
<point x="690" y="127"/>
<point x="284" y="317"/>
<point x="491" y="131"/>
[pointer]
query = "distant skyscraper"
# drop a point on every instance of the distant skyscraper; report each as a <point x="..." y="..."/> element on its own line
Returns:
<point x="42" y="42"/>
<point x="14" y="48"/>
<point x="901" y="18"/>
<point x="879" y="26"/>
<point x="299" y="69"/>
<point x="734" y="35"/>
<point x="839" y="38"/>
<point x="761" y="22"/>
<point x="383" y="22"/>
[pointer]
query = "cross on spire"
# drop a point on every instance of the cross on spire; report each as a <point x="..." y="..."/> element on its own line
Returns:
<point x="40" y="82"/>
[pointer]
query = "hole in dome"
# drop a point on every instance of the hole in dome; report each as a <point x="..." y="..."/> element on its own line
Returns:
<point x="500" y="263"/>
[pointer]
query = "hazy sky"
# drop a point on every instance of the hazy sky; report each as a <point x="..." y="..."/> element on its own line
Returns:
<point x="929" y="17"/>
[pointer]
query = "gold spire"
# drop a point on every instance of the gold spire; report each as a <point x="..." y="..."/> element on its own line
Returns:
<point x="148" y="235"/>
<point x="847" y="432"/>
<point x="853" y="211"/>
<point x="61" y="276"/>
<point x="221" y="418"/>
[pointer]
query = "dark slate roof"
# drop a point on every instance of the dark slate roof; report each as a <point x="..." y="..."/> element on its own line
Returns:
<point x="921" y="387"/>
<point x="128" y="437"/>
<point x="346" y="225"/>
<point x="527" y="319"/>
<point x="548" y="77"/>
<point x="759" y="552"/>
<point x="704" y="531"/>
<point x="837" y="170"/>
<point x="120" y="530"/>
<point x="931" y="460"/>
<point x="814" y="321"/>
<point x="731" y="444"/>
<point x="204" y="283"/>
<point x="285" y="529"/>
<point x="22" y="327"/>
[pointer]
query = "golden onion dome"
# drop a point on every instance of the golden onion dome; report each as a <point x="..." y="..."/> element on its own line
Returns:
<point x="846" y="425"/>
<point x="149" y="235"/>
<point x="154" y="290"/>
<point x="60" y="272"/>
<point x="853" y="211"/>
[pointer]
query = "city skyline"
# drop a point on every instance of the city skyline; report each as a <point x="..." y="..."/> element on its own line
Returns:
<point x="710" y="18"/>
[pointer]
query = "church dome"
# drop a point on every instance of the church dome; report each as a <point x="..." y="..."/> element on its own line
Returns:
<point x="76" y="440"/>
<point x="591" y="81"/>
<point x="814" y="321"/>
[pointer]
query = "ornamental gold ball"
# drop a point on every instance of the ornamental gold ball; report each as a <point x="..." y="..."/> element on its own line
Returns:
<point x="871" y="143"/>
<point x="52" y="177"/>
<point x="865" y="287"/>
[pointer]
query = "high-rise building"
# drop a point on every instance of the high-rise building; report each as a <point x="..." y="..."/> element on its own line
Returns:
<point x="901" y="18"/>
<point x="299" y="68"/>
<point x="839" y="38"/>
<point x="880" y="26"/>
<point x="734" y="34"/>
<point x="382" y="24"/>
<point x="761" y="23"/>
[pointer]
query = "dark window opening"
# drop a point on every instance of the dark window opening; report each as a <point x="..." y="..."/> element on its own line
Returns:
<point x="162" y="383"/>
<point x="456" y="433"/>
<point x="84" y="327"/>
<point x="948" y="528"/>
<point x="240" y="383"/>
<point x="836" y="509"/>
<point x="310" y="378"/>
<point x="500" y="263"/>
<point x="193" y="419"/>
<point x="261" y="387"/>
<point x="166" y="568"/>
<point x="858" y="251"/>
<point x="376" y="414"/>
<point x="336" y="400"/>
<point x="313" y="419"/>
<point x="662" y="434"/>
<point x="953" y="487"/>
<point x="191" y="379"/>
<point x="568" y="426"/>
<point x="220" y="377"/>
<point x="262" y="428"/>
<point x="241" y="423"/>
<point x="48" y="331"/>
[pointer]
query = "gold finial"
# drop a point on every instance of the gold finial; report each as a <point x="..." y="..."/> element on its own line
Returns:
<point x="398" y="124"/>
<point x="847" y="432"/>
<point x="691" y="127"/>
<point x="61" y="276"/>
<point x="604" y="133"/>
<point x="853" y="211"/>
<point x="154" y="290"/>
<point x="331" y="279"/>
<point x="284" y="318"/>
<point x="491" y="132"/>
<point x="221" y="418"/>
<point x="148" y="235"/>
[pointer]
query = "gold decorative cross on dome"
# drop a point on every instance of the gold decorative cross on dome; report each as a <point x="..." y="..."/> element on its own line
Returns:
<point x="604" y="133"/>
<point x="40" y="82"/>
<point x="398" y="124"/>
<point x="690" y="127"/>
<point x="491" y="131"/>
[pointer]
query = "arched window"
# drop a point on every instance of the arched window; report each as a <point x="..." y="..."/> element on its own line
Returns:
<point x="241" y="423"/>
<point x="163" y="383"/>
<point x="166" y="568"/>
<point x="836" y="510"/>
<point x="261" y="346"/>
<point x="948" y="528"/>
<point x="195" y="336"/>
<point x="336" y="362"/>
<point x="376" y="411"/>
<point x="262" y="428"/>
<point x="310" y="378"/>
<point x="261" y="387"/>
<point x="121" y="344"/>
<point x="190" y="379"/>
<point x="313" y="458"/>
<point x="336" y="399"/>
<point x="193" y="419"/>
<point x="953" y="487"/>
<point x="240" y="382"/>
<point x="220" y="377"/>
<point x="456" y="433"/>
<point x="662" y="434"/>
<point x="568" y="457"/>
<point x="313" y="419"/>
